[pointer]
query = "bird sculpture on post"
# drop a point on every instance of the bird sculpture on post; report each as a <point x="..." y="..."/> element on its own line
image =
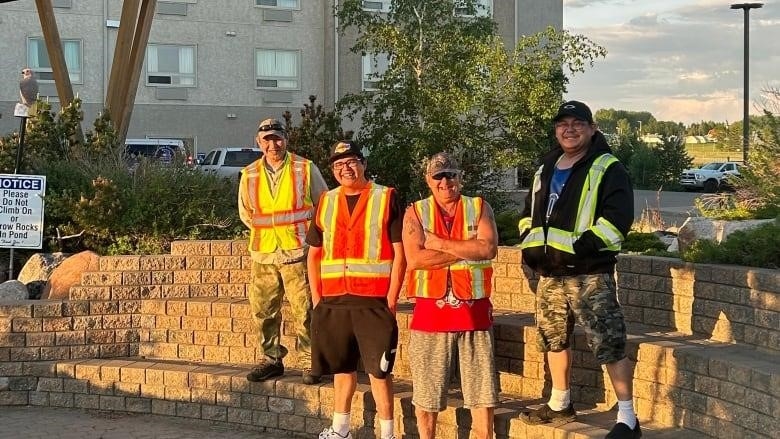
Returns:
<point x="28" y="87"/>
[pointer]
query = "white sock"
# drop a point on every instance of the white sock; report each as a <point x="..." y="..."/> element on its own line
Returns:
<point x="626" y="413"/>
<point x="386" y="428"/>
<point x="341" y="423"/>
<point x="559" y="399"/>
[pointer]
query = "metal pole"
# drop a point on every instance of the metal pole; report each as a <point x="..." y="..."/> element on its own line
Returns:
<point x="746" y="96"/>
<point x="746" y="7"/>
<point x="17" y="165"/>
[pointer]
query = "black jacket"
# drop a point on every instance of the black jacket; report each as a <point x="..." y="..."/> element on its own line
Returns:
<point x="615" y="204"/>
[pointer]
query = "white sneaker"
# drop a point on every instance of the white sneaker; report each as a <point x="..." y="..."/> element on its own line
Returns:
<point x="329" y="433"/>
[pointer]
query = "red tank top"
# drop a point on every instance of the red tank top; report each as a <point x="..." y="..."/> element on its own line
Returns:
<point x="450" y="314"/>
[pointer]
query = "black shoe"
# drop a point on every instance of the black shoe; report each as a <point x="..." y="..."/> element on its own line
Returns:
<point x="309" y="378"/>
<point x="546" y="415"/>
<point x="622" y="431"/>
<point x="266" y="370"/>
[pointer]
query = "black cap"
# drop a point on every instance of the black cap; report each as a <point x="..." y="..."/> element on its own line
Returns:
<point x="345" y="148"/>
<point x="576" y="109"/>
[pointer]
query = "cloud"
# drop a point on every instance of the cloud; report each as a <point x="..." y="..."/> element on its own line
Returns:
<point x="645" y="20"/>
<point x="681" y="60"/>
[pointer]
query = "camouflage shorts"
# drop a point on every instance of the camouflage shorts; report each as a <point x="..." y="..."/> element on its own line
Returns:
<point x="591" y="301"/>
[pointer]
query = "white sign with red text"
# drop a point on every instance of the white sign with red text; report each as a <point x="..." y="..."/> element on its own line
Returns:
<point x="21" y="210"/>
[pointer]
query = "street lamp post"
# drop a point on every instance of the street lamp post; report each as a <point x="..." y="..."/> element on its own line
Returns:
<point x="746" y="7"/>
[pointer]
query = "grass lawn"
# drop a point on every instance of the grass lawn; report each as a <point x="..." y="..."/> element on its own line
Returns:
<point x="710" y="152"/>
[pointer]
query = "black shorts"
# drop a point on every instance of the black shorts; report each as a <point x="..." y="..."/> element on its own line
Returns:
<point x="347" y="329"/>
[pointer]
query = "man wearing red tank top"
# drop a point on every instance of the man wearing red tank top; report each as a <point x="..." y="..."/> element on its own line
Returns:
<point x="449" y="240"/>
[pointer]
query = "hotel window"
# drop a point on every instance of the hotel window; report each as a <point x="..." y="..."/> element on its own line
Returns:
<point x="38" y="59"/>
<point x="170" y="65"/>
<point x="374" y="66"/>
<point x="377" y="5"/>
<point x="281" y="4"/>
<point x="482" y="8"/>
<point x="277" y="69"/>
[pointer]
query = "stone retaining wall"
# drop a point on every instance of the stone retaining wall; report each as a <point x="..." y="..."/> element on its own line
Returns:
<point x="706" y="339"/>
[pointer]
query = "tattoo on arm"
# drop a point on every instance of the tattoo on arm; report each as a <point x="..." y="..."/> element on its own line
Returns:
<point x="411" y="225"/>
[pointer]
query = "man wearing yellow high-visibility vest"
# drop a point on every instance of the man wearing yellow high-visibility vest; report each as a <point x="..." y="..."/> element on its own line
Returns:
<point x="277" y="197"/>
<point x="576" y="216"/>
<point x="449" y="241"/>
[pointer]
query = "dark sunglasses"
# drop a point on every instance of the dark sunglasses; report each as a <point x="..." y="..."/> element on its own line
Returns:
<point x="270" y="127"/>
<point x="447" y="175"/>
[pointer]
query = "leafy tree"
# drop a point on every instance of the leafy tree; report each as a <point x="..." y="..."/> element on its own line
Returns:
<point x="664" y="128"/>
<point x="609" y="120"/>
<point x="674" y="159"/>
<point x="644" y="168"/>
<point x="318" y="131"/>
<point x="703" y="128"/>
<point x="624" y="145"/>
<point x="451" y="85"/>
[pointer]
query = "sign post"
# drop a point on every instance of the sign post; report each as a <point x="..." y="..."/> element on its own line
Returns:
<point x="21" y="213"/>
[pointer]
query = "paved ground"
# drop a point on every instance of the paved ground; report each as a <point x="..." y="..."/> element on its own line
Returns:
<point x="61" y="423"/>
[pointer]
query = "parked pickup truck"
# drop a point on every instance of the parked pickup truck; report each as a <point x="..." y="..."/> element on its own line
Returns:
<point x="228" y="161"/>
<point x="710" y="177"/>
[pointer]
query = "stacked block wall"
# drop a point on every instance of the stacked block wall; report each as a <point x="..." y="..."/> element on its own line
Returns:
<point x="705" y="338"/>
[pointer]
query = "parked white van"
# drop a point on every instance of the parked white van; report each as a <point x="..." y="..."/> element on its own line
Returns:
<point x="163" y="150"/>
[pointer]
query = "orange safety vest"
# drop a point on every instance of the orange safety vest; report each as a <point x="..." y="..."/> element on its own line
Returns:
<point x="470" y="279"/>
<point x="279" y="221"/>
<point x="357" y="255"/>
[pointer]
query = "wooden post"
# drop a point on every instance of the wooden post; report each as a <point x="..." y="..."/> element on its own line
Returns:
<point x="137" y="53"/>
<point x="118" y="79"/>
<point x="51" y="36"/>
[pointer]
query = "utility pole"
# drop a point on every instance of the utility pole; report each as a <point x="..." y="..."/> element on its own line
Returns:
<point x="746" y="7"/>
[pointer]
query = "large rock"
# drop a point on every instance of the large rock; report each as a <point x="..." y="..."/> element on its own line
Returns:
<point x="13" y="290"/>
<point x="696" y="228"/>
<point x="40" y="266"/>
<point x="68" y="274"/>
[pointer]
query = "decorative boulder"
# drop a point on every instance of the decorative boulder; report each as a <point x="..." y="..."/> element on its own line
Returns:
<point x="40" y="266"/>
<point x="68" y="274"/>
<point x="696" y="228"/>
<point x="13" y="290"/>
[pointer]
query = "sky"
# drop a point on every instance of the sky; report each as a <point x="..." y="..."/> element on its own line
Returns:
<point x="681" y="60"/>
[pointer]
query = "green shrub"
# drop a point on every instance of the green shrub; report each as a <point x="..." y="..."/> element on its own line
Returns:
<point x="96" y="201"/>
<point x="114" y="210"/>
<point x="508" y="233"/>
<point x="756" y="247"/>
<point x="642" y="242"/>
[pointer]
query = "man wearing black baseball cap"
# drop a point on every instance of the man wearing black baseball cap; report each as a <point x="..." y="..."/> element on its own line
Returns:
<point x="356" y="267"/>
<point x="575" y="218"/>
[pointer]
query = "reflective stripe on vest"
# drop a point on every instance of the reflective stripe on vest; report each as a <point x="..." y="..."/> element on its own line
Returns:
<point x="563" y="240"/>
<point x="470" y="279"/>
<point x="279" y="220"/>
<point x="357" y="256"/>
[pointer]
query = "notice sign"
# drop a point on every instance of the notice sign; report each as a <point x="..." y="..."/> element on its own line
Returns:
<point x="21" y="210"/>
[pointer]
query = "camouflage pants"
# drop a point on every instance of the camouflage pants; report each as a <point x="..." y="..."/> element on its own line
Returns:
<point x="270" y="284"/>
<point x="591" y="301"/>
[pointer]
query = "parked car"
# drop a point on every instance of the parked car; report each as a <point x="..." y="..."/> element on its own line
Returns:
<point x="164" y="150"/>
<point x="710" y="177"/>
<point x="229" y="160"/>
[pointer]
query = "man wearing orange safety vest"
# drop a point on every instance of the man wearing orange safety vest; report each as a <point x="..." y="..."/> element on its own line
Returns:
<point x="356" y="267"/>
<point x="449" y="241"/>
<point x="277" y="197"/>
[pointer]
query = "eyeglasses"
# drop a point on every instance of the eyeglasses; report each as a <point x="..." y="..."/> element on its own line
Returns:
<point x="338" y="166"/>
<point x="447" y="175"/>
<point x="270" y="127"/>
<point x="577" y="125"/>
